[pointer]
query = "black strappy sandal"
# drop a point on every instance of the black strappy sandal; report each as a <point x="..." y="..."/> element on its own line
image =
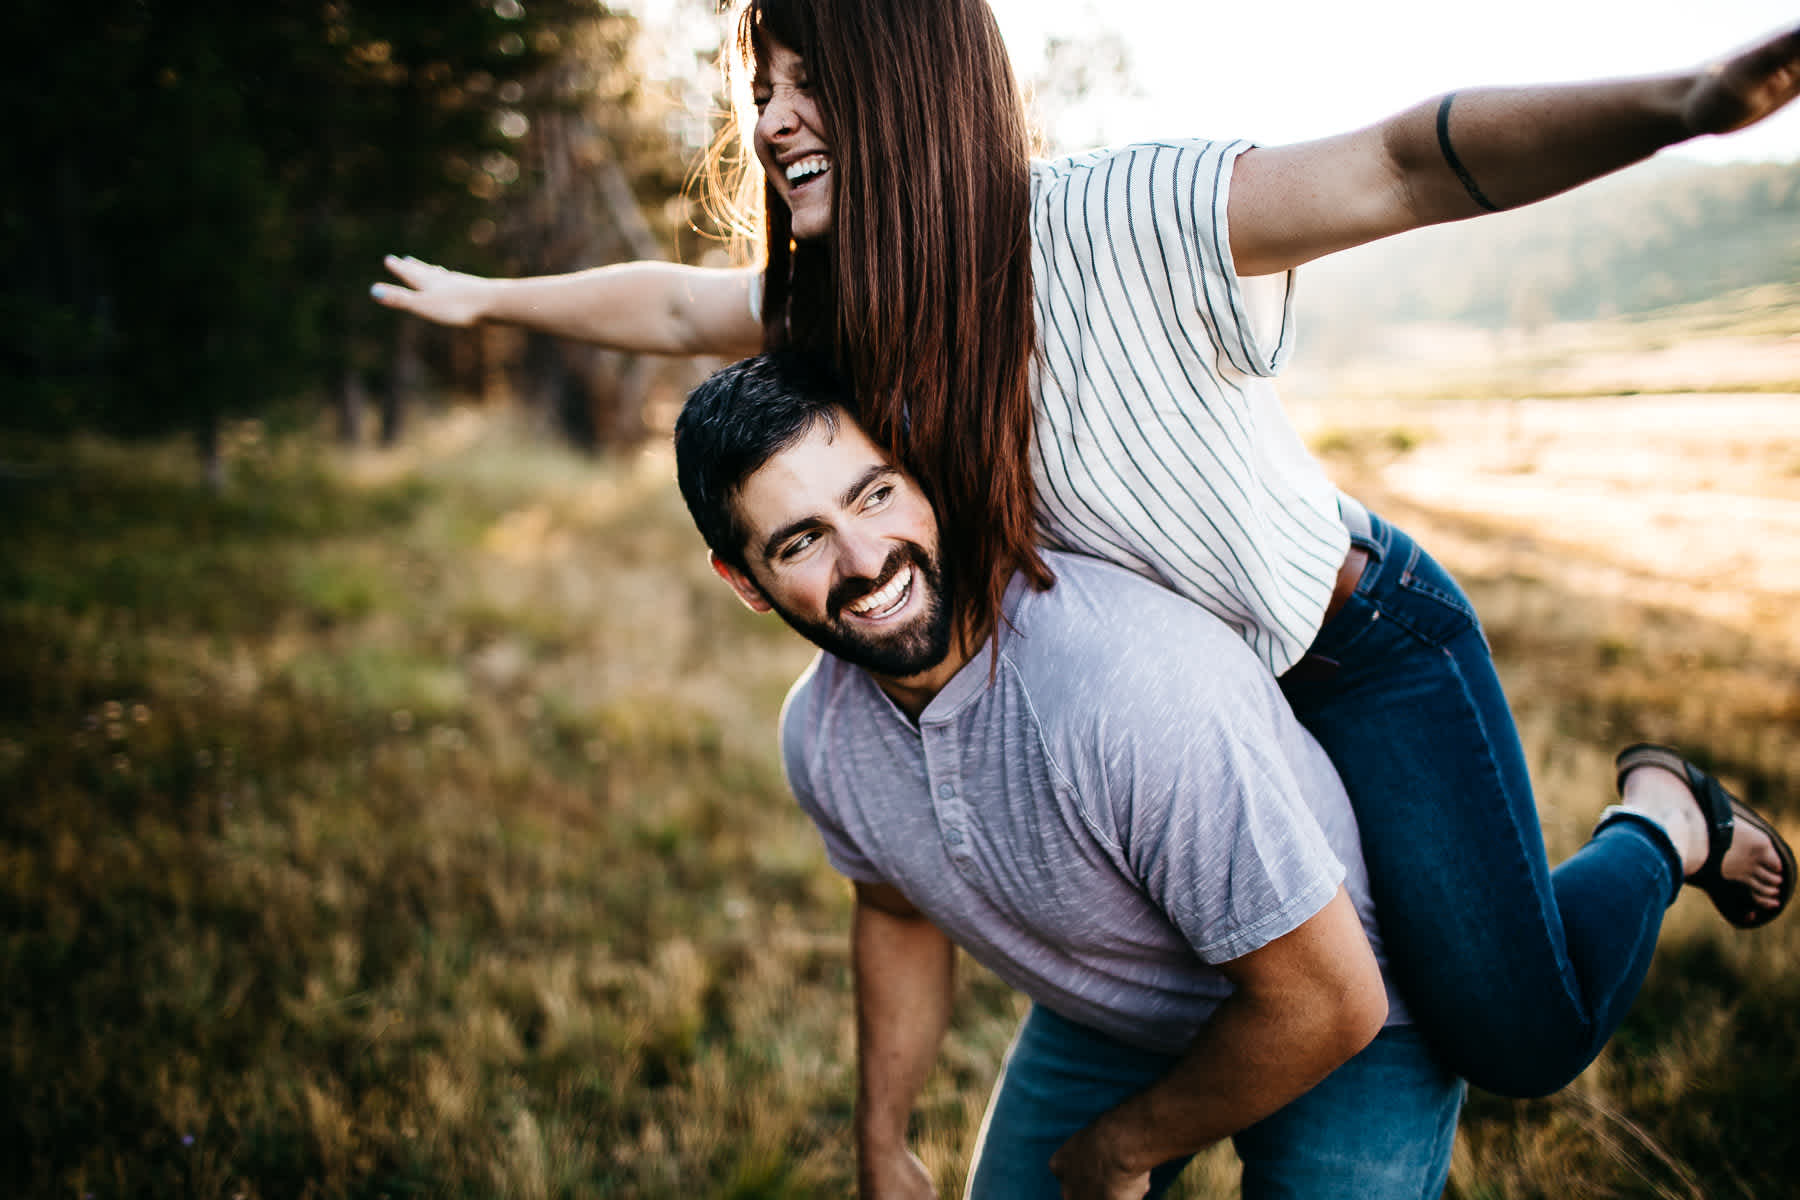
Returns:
<point x="1722" y="811"/>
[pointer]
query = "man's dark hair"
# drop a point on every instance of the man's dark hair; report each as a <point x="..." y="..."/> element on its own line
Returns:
<point x="739" y="419"/>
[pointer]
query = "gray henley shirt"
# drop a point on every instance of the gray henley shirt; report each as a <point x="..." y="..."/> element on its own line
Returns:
<point x="1129" y="801"/>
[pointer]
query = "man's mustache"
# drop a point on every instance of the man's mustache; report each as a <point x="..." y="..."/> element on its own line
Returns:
<point x="849" y="591"/>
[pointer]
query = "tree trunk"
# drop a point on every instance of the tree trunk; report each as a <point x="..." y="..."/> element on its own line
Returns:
<point x="212" y="462"/>
<point x="403" y="382"/>
<point x="351" y="401"/>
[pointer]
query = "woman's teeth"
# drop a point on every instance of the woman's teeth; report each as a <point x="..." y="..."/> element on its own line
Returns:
<point x="806" y="168"/>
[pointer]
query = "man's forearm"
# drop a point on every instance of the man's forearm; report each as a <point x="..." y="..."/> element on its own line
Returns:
<point x="1302" y="1007"/>
<point x="904" y="970"/>
<point x="1250" y="1060"/>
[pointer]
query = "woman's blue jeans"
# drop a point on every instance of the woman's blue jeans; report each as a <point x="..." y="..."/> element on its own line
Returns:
<point x="1517" y="974"/>
<point x="1380" y="1127"/>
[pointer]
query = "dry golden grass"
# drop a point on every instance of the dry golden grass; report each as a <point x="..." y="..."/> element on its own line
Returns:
<point x="410" y="823"/>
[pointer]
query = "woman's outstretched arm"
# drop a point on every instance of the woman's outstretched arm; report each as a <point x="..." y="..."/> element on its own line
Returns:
<point x="1487" y="149"/>
<point x="642" y="307"/>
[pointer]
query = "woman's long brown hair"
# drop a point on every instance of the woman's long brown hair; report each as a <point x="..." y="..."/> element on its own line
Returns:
<point x="922" y="289"/>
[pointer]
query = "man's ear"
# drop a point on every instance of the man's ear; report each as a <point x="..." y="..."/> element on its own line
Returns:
<point x="742" y="584"/>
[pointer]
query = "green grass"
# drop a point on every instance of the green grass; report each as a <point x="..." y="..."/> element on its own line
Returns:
<point x="411" y="826"/>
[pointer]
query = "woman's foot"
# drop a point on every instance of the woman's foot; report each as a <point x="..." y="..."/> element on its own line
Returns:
<point x="1725" y="847"/>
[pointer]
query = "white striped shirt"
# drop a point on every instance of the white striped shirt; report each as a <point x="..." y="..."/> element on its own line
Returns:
<point x="1161" y="444"/>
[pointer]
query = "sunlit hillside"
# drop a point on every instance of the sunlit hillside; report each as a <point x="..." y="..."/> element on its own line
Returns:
<point x="1670" y="233"/>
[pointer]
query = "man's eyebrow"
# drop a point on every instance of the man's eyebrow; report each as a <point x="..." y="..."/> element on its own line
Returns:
<point x="861" y="484"/>
<point x="800" y="524"/>
<point x="782" y="534"/>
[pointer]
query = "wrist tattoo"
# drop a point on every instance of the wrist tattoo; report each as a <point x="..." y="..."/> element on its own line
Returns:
<point x="1455" y="163"/>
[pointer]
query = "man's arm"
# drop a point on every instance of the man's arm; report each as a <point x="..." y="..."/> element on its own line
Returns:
<point x="1302" y="1005"/>
<point x="1292" y="204"/>
<point x="904" y="970"/>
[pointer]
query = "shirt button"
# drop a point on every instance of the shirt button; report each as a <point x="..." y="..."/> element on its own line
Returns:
<point x="954" y="837"/>
<point x="946" y="791"/>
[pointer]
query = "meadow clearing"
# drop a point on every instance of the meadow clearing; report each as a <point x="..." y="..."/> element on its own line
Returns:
<point x="408" y="823"/>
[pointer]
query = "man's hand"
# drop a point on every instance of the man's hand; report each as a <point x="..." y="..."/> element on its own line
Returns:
<point x="1746" y="87"/>
<point x="1088" y="1172"/>
<point x="897" y="1176"/>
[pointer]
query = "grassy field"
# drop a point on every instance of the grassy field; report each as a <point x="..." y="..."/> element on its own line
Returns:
<point x="409" y="824"/>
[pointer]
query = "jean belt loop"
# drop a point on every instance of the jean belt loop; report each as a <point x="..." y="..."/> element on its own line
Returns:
<point x="1355" y="518"/>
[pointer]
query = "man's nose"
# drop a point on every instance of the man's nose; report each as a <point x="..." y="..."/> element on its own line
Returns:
<point x="862" y="556"/>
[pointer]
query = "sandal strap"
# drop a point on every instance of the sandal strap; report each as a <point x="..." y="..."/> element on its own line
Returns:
<point x="1714" y="801"/>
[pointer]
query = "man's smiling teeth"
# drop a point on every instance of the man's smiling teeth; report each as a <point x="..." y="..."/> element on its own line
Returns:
<point x="883" y="599"/>
<point x="806" y="168"/>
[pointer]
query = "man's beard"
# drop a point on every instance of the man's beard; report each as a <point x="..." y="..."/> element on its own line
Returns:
<point x="918" y="646"/>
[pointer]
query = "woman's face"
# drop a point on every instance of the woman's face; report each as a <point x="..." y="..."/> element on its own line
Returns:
<point x="790" y="140"/>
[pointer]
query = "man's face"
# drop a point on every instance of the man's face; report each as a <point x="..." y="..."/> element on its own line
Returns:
<point x="843" y="545"/>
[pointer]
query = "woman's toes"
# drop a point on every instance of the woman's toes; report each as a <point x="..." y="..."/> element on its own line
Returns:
<point x="1752" y="861"/>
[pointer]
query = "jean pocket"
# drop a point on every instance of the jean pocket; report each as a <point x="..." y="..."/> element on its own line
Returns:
<point x="1428" y="603"/>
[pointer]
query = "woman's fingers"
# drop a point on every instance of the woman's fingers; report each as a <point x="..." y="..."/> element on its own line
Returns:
<point x="1748" y="86"/>
<point x="447" y="297"/>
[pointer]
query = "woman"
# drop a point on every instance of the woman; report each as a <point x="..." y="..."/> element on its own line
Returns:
<point x="1093" y="319"/>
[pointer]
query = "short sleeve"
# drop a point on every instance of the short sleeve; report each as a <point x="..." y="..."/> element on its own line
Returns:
<point x="1191" y="764"/>
<point x="1136" y="246"/>
<point x="800" y="736"/>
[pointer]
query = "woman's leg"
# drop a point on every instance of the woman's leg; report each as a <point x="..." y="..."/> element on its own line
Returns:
<point x="1380" y="1127"/>
<point x="1057" y="1078"/>
<point x="1516" y="973"/>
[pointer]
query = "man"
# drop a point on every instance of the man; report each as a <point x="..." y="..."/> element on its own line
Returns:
<point x="1108" y="804"/>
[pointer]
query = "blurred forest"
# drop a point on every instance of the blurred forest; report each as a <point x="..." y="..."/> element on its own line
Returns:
<point x="199" y="196"/>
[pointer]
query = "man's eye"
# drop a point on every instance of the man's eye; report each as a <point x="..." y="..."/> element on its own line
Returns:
<point x="879" y="496"/>
<point x="760" y="100"/>
<point x="794" y="548"/>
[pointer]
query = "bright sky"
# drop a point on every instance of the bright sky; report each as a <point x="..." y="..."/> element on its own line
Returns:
<point x="1279" y="71"/>
<point x="1285" y="70"/>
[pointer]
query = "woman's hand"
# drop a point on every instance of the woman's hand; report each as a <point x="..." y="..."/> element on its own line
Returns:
<point x="1745" y="87"/>
<point x="447" y="297"/>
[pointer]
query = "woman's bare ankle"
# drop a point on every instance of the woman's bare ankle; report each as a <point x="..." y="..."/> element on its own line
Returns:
<point x="1662" y="796"/>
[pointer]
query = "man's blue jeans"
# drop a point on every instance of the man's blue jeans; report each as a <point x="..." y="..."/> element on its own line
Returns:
<point x="1380" y="1127"/>
<point x="1517" y="974"/>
